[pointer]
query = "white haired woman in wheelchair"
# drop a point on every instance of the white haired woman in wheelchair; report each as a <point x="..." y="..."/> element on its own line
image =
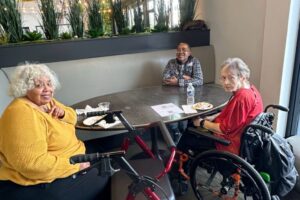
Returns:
<point x="37" y="138"/>
<point x="244" y="105"/>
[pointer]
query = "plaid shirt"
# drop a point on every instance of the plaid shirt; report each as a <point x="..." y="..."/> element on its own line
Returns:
<point x="191" y="68"/>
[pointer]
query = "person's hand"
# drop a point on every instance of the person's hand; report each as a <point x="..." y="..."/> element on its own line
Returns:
<point x="56" y="111"/>
<point x="196" y="121"/>
<point x="186" y="77"/>
<point x="171" y="81"/>
<point x="84" y="165"/>
<point x="211" y="117"/>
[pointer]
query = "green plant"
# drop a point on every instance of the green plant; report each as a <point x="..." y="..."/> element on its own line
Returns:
<point x="65" y="36"/>
<point x="95" y="19"/>
<point x="162" y="17"/>
<point x="75" y="17"/>
<point x="125" y="31"/>
<point x="50" y="18"/>
<point x="10" y="19"/>
<point x="3" y="36"/>
<point x="138" y="19"/>
<point x="32" y="36"/>
<point x="118" y="16"/>
<point x="187" y="11"/>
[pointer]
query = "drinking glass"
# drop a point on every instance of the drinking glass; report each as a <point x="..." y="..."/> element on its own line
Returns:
<point x="104" y="106"/>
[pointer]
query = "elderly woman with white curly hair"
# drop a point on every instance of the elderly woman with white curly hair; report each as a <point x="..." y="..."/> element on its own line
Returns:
<point x="37" y="138"/>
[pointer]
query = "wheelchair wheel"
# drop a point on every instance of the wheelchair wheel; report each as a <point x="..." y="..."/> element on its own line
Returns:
<point x="222" y="175"/>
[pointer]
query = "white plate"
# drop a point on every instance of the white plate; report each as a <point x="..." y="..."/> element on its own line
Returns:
<point x="203" y="106"/>
<point x="91" y="120"/>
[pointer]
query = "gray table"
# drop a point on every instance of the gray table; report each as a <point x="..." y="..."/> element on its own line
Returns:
<point x="136" y="104"/>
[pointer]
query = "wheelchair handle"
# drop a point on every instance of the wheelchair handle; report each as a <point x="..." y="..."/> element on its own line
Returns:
<point x="95" y="156"/>
<point x="98" y="113"/>
<point x="279" y="107"/>
<point x="166" y="134"/>
<point x="260" y="127"/>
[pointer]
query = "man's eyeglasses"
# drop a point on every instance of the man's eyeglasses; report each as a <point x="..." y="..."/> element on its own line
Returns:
<point x="182" y="50"/>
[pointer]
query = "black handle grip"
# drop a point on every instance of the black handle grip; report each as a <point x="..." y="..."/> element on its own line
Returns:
<point x="279" y="107"/>
<point x="166" y="134"/>
<point x="94" y="156"/>
<point x="260" y="127"/>
<point x="97" y="113"/>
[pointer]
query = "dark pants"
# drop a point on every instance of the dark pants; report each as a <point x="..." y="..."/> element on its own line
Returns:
<point x="176" y="129"/>
<point x="87" y="186"/>
<point x="196" y="144"/>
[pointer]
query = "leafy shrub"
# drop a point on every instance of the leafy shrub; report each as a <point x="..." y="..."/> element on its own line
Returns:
<point x="93" y="33"/>
<point x="32" y="36"/>
<point x="118" y="16"/>
<point x="162" y="17"/>
<point x="95" y="19"/>
<point x="75" y="17"/>
<point x="125" y="31"/>
<point x="50" y="19"/>
<point x="10" y="19"/>
<point x="3" y="36"/>
<point x="187" y="11"/>
<point x="65" y="36"/>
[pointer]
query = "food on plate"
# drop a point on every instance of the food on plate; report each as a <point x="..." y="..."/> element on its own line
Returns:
<point x="202" y="105"/>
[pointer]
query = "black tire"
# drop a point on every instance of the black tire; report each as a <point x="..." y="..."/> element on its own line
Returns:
<point x="218" y="168"/>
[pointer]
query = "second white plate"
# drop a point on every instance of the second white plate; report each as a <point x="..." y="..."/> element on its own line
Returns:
<point x="91" y="120"/>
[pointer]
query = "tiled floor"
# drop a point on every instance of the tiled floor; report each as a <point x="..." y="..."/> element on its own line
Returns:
<point x="190" y="196"/>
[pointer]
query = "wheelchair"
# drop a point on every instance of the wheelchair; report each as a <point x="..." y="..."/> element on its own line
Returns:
<point x="218" y="174"/>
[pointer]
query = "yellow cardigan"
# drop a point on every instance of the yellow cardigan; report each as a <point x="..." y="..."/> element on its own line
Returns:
<point x="34" y="146"/>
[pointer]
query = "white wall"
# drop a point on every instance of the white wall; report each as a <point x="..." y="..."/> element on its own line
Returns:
<point x="237" y="28"/>
<point x="256" y="31"/>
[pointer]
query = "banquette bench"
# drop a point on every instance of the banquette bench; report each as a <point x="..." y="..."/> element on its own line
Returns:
<point x="87" y="78"/>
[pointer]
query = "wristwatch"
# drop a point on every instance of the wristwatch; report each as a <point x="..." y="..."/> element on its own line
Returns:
<point x="202" y="123"/>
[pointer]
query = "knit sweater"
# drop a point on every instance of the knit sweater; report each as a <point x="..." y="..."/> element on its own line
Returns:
<point x="34" y="146"/>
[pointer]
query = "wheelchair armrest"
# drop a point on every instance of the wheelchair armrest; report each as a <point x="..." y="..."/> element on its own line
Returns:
<point x="209" y="135"/>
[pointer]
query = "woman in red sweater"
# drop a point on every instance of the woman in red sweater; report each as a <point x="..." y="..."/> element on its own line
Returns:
<point x="244" y="105"/>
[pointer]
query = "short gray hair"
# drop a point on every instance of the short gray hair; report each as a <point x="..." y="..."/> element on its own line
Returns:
<point x="24" y="76"/>
<point x="237" y="65"/>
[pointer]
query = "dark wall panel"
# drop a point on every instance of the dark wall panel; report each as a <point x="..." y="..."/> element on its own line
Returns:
<point x="12" y="55"/>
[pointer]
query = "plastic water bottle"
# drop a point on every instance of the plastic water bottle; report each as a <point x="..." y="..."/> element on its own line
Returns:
<point x="190" y="94"/>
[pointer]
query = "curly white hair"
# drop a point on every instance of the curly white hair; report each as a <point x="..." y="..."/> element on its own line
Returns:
<point x="24" y="76"/>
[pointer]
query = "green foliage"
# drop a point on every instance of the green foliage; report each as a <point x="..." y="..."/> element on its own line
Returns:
<point x="10" y="19"/>
<point x="50" y="19"/>
<point x="138" y="19"/>
<point x="75" y="17"/>
<point x="95" y="19"/>
<point x="93" y="33"/>
<point x="125" y="31"/>
<point x="162" y="17"/>
<point x="187" y="11"/>
<point x="65" y="36"/>
<point x="32" y="36"/>
<point x="3" y="36"/>
<point x="118" y="16"/>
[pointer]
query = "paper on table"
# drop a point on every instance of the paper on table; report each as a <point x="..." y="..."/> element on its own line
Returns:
<point x="167" y="109"/>
<point x="87" y="108"/>
<point x="188" y="109"/>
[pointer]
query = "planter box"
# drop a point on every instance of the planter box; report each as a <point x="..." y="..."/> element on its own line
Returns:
<point x="12" y="55"/>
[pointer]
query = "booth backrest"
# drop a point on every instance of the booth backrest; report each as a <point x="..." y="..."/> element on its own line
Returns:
<point x="87" y="78"/>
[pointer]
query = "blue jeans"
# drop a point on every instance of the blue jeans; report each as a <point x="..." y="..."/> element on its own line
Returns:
<point x="176" y="129"/>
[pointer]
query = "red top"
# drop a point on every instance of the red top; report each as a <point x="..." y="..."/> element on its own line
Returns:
<point x="242" y="108"/>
